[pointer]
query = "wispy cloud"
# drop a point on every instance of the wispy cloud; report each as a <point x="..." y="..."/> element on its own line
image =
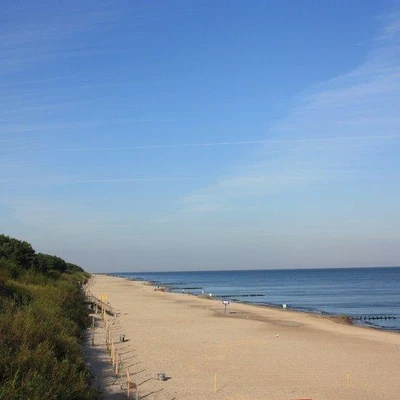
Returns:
<point x="391" y="26"/>
<point x="333" y="134"/>
<point x="59" y="126"/>
<point x="134" y="180"/>
<point x="45" y="35"/>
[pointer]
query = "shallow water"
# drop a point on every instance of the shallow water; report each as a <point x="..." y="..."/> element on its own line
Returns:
<point x="351" y="291"/>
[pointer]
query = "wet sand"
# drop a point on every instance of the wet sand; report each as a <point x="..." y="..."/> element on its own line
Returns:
<point x="249" y="353"/>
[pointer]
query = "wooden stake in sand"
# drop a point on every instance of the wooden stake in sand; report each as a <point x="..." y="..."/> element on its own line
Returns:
<point x="117" y="365"/>
<point x="130" y="385"/>
<point x="92" y="330"/>
<point x="112" y="352"/>
<point x="107" y="343"/>
<point x="215" y="383"/>
<point x="348" y="379"/>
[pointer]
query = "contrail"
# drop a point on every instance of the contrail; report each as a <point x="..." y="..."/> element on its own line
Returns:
<point x="233" y="143"/>
<point x="167" y="146"/>
<point x="133" y="179"/>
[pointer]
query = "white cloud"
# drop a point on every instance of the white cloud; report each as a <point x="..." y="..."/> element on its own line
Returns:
<point x="332" y="135"/>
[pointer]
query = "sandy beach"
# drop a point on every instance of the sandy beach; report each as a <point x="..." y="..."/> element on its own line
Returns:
<point x="250" y="353"/>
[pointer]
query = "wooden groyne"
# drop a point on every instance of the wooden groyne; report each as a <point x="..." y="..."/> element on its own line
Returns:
<point x="185" y="288"/>
<point x="372" y="317"/>
<point x="231" y="296"/>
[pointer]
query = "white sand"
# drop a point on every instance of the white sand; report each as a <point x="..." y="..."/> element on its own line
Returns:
<point x="254" y="352"/>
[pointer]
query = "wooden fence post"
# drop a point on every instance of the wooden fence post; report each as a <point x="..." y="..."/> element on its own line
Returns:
<point x="106" y="335"/>
<point x="118" y="365"/>
<point x="120" y="375"/>
<point x="92" y="330"/>
<point x="128" y="384"/>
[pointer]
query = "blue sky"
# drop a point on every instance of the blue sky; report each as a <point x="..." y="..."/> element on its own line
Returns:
<point x="177" y="135"/>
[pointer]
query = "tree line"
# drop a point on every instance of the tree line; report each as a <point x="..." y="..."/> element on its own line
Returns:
<point x="18" y="255"/>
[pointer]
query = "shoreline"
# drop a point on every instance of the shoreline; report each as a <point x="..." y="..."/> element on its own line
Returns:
<point x="255" y="352"/>
<point x="338" y="318"/>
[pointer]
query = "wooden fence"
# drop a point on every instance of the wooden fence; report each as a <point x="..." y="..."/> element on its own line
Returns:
<point x="106" y="311"/>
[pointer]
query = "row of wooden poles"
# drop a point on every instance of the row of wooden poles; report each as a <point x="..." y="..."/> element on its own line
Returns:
<point x="116" y="359"/>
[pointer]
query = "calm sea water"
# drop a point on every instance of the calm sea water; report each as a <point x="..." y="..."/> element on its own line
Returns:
<point x="352" y="291"/>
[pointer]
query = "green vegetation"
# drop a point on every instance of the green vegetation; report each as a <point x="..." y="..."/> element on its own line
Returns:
<point x="42" y="320"/>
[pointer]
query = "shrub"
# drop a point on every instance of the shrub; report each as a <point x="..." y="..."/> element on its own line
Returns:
<point x="42" y="319"/>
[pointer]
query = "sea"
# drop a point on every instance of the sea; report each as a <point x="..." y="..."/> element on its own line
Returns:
<point x="362" y="293"/>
